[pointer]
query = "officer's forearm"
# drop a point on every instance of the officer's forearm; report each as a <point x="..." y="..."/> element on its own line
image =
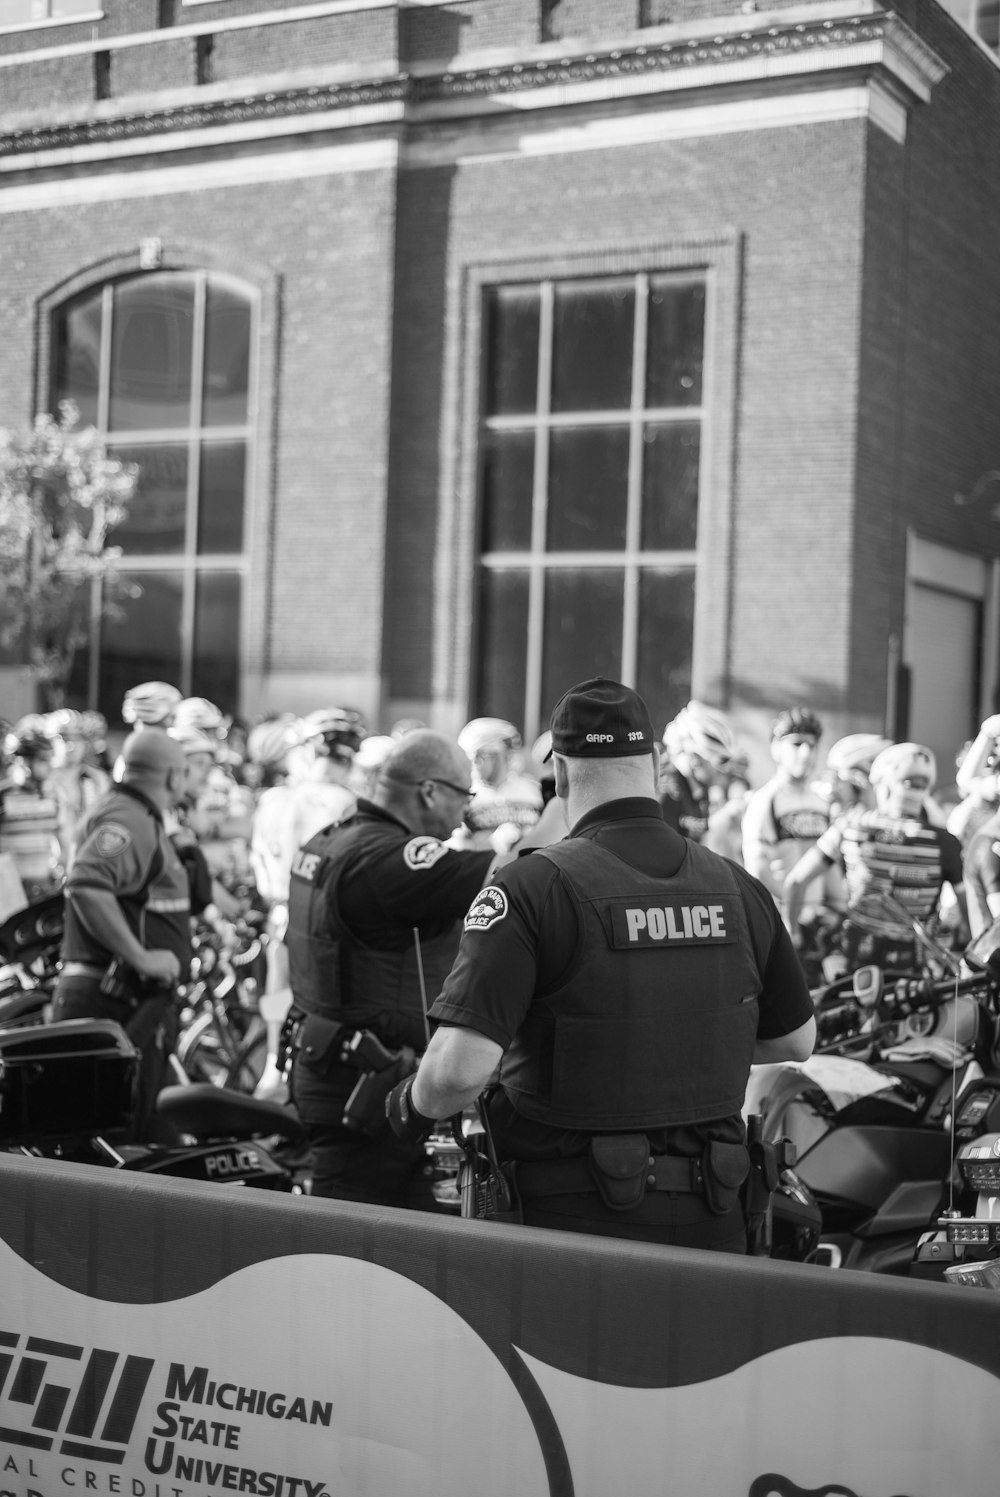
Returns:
<point x="457" y="1065"/>
<point x="101" y="914"/>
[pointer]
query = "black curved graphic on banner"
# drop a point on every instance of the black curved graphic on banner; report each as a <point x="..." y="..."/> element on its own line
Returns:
<point x="780" y="1486"/>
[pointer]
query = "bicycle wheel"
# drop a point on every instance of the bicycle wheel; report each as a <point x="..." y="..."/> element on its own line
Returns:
<point x="247" y="1067"/>
<point x="202" y="1053"/>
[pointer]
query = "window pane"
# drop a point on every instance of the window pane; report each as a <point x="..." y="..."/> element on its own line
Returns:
<point x="144" y="643"/>
<point x="156" y="518"/>
<point x="592" y="347"/>
<point x="503" y="645"/>
<point x="152" y="331"/>
<point x="666" y="634"/>
<point x="508" y="468"/>
<point x="675" y="344"/>
<point x="227" y="356"/>
<point x="670" y="486"/>
<point x="215" y="668"/>
<point x="220" y="497"/>
<point x="78" y="357"/>
<point x="583" y="630"/>
<point x="511" y="384"/>
<point x="588" y="488"/>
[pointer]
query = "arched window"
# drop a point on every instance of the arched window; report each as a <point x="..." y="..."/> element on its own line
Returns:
<point x="162" y="364"/>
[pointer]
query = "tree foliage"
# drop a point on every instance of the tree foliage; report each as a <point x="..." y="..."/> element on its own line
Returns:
<point x="60" y="495"/>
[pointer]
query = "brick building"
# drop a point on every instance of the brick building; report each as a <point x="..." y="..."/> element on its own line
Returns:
<point x="469" y="347"/>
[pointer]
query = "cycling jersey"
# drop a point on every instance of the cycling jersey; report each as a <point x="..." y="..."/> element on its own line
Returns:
<point x="982" y="873"/>
<point x="879" y="854"/>
<point x="685" y="806"/>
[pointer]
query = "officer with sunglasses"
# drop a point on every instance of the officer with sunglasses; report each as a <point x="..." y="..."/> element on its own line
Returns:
<point x="375" y="909"/>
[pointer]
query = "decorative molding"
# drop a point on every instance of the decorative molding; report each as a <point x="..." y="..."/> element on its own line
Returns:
<point x="881" y="42"/>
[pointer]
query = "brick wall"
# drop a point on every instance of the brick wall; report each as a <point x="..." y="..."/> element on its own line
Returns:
<point x="359" y="38"/>
<point x="144" y="70"/>
<point x="31" y="87"/>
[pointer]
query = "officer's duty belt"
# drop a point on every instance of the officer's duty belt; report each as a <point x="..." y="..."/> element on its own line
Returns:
<point x="560" y="1177"/>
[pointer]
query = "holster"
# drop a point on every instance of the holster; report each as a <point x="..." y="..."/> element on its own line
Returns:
<point x="724" y="1167"/>
<point x="619" y="1164"/>
<point x="319" y="1041"/>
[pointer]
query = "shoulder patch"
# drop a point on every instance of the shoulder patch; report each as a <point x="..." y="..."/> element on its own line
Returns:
<point x="423" y="852"/>
<point x="489" y="906"/>
<point x="112" y="839"/>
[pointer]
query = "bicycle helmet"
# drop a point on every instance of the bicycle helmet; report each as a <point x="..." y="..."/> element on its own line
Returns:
<point x="202" y="715"/>
<point x="797" y="720"/>
<point x="64" y="723"/>
<point x="701" y="730"/>
<point x="490" y="734"/>
<point x="854" y="754"/>
<point x="94" y="727"/>
<point x="337" y="727"/>
<point x="374" y="751"/>
<point x="269" y="742"/>
<point x="192" y="740"/>
<point x="901" y="760"/>
<point x="152" y="703"/>
<point x="29" y="738"/>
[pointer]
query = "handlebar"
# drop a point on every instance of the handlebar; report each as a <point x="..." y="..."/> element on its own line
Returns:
<point x="899" y="998"/>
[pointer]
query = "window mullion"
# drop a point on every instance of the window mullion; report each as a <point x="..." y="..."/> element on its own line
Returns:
<point x="193" y="477"/>
<point x="96" y="601"/>
<point x="539" y="517"/>
<point x="633" y="510"/>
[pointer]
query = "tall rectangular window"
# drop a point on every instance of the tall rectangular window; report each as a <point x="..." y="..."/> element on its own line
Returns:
<point x="161" y="365"/>
<point x="589" y="472"/>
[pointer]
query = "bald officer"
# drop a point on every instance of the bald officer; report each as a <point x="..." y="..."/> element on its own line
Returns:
<point x="128" y="903"/>
<point x="624" y="980"/>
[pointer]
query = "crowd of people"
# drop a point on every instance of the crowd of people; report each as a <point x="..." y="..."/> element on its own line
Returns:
<point x="377" y="862"/>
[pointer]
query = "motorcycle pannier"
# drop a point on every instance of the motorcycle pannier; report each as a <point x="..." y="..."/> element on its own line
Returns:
<point x="73" y="1079"/>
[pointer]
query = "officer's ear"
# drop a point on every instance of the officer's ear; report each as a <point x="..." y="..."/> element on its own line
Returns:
<point x="562" y="777"/>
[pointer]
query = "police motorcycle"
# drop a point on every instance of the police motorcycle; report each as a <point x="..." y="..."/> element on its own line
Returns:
<point x="30" y="941"/>
<point x="68" y="1089"/>
<point x="962" y="1242"/>
<point x="869" y="1113"/>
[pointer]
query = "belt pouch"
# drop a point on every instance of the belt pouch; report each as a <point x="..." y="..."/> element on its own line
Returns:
<point x="725" y="1167"/>
<point x="320" y="1042"/>
<point x="619" y="1163"/>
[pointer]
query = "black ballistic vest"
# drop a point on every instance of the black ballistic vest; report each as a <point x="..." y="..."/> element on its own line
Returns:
<point x="657" y="1024"/>
<point x="334" y="974"/>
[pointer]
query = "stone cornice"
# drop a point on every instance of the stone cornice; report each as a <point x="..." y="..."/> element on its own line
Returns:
<point x="875" y="41"/>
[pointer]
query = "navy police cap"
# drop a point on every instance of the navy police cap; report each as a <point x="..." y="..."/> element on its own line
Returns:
<point x="601" y="719"/>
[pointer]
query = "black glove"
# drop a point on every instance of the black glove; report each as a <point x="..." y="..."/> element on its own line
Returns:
<point x="409" y="1125"/>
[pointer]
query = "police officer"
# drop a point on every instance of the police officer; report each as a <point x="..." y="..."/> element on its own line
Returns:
<point x="128" y="903"/>
<point x="624" y="980"/>
<point x="374" y="912"/>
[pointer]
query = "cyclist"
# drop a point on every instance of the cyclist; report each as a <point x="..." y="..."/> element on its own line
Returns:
<point x="74" y="782"/>
<point x="699" y="744"/>
<point x="505" y="802"/>
<point x="978" y="781"/>
<point x="150" y="705"/>
<point x="894" y="849"/>
<point x="786" y="816"/>
<point x="845" y="782"/>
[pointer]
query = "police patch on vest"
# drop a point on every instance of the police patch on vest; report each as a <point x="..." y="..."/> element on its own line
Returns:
<point x="112" y="839"/>
<point x="684" y="921"/>
<point x="489" y="906"/>
<point x="423" y="852"/>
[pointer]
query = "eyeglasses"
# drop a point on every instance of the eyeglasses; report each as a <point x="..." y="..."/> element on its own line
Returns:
<point x="464" y="791"/>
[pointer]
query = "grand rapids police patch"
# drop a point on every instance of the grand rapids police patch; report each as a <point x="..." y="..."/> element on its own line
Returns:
<point x="489" y="906"/>
<point x="423" y="852"/>
<point x="112" y="838"/>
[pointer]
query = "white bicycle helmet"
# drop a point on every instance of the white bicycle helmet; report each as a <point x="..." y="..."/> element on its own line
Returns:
<point x="192" y="740"/>
<point x="269" y="742"/>
<point x="855" y="754"/>
<point x="488" y="733"/>
<point x="701" y="730"/>
<point x="900" y="761"/>
<point x="338" y="727"/>
<point x="151" y="703"/>
<point x="200" y="714"/>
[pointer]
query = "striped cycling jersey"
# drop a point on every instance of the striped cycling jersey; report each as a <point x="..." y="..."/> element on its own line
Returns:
<point x="908" y="859"/>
